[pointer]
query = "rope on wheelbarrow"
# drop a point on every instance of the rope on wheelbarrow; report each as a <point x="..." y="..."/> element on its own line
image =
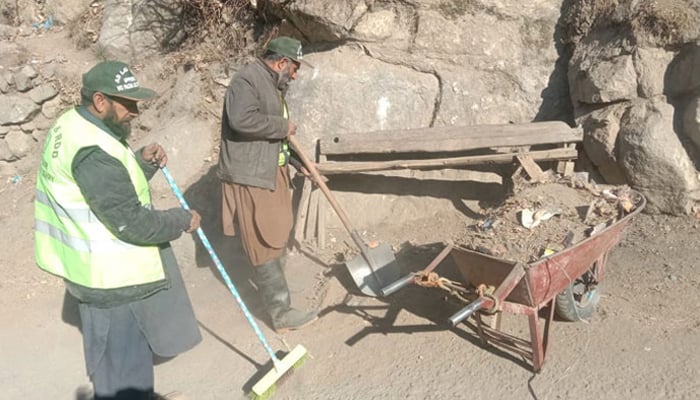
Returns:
<point x="433" y="280"/>
<point x="571" y="281"/>
<point x="487" y="292"/>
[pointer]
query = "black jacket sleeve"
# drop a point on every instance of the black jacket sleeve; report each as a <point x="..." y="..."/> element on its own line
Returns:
<point x="105" y="183"/>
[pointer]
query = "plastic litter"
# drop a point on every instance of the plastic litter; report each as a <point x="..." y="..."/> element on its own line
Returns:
<point x="530" y="219"/>
<point x="45" y="25"/>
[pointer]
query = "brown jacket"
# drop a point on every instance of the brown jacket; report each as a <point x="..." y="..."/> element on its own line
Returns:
<point x="252" y="127"/>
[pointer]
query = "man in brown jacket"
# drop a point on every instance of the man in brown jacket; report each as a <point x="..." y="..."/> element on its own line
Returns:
<point x="255" y="177"/>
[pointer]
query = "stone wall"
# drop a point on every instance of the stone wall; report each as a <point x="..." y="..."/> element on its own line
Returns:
<point x="29" y="102"/>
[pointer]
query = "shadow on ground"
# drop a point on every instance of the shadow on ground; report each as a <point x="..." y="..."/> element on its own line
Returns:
<point x="432" y="304"/>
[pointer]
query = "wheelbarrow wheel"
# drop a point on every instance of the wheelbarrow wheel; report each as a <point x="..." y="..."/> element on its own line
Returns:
<point x="579" y="300"/>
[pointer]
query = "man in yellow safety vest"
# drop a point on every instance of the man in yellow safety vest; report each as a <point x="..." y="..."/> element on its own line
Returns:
<point x="96" y="228"/>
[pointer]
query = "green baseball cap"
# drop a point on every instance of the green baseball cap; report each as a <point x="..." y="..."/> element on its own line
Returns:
<point x="287" y="47"/>
<point x="114" y="78"/>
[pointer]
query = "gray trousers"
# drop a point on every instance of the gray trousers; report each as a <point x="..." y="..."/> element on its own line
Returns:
<point x="124" y="369"/>
<point x="119" y="342"/>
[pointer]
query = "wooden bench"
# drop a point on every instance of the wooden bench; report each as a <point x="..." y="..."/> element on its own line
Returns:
<point x="426" y="148"/>
<point x="434" y="148"/>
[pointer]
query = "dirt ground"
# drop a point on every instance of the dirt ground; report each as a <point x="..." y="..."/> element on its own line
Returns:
<point x="641" y="343"/>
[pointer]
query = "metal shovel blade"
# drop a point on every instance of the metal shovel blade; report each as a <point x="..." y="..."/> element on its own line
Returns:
<point x="372" y="275"/>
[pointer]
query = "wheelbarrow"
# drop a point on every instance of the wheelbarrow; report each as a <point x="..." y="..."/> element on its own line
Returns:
<point x="567" y="282"/>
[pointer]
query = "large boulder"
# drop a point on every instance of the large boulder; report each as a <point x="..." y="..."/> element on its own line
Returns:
<point x="385" y="25"/>
<point x="682" y="74"/>
<point x="601" y="128"/>
<point x="134" y="30"/>
<point x="374" y="95"/>
<point x="491" y="63"/>
<point x="654" y="159"/>
<point x="651" y="65"/>
<point x="596" y="80"/>
<point x="330" y="21"/>
<point x="641" y="57"/>
<point x="66" y="11"/>
<point x="691" y="121"/>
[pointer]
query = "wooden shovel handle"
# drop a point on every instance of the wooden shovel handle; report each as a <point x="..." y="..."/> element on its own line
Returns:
<point x="324" y="188"/>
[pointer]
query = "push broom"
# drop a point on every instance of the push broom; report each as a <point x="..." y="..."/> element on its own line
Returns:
<point x="265" y="387"/>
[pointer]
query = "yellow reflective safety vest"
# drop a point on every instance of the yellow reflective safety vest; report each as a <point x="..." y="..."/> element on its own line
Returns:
<point x="69" y="239"/>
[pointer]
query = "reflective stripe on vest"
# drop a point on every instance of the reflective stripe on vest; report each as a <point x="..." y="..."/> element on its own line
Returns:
<point x="70" y="241"/>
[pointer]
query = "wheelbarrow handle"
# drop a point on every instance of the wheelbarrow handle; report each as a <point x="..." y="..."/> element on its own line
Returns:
<point x="466" y="312"/>
<point x="408" y="279"/>
<point x="397" y="285"/>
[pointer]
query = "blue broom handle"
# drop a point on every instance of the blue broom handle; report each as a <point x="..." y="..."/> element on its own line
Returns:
<point x="221" y="269"/>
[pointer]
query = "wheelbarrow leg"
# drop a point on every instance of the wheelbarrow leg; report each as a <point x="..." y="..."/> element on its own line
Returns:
<point x="539" y="338"/>
<point x="547" y="326"/>
<point x="494" y="323"/>
<point x="536" y="342"/>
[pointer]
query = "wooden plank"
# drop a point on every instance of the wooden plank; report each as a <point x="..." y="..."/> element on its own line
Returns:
<point x="310" y="229"/>
<point x="321" y="225"/>
<point x="451" y="138"/>
<point x="531" y="167"/>
<point x="302" y="211"/>
<point x="330" y="168"/>
<point x="565" y="168"/>
<point x="569" y="168"/>
<point x="321" y="219"/>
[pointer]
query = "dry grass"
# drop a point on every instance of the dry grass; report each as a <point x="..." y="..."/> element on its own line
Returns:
<point x="218" y="28"/>
<point x="586" y="15"/>
<point x="69" y="89"/>
<point x="214" y="30"/>
<point x="217" y="31"/>
<point x="665" y="23"/>
<point x="9" y="14"/>
<point x="85" y="30"/>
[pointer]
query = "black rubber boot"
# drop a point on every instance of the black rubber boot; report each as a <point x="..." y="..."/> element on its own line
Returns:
<point x="273" y="289"/>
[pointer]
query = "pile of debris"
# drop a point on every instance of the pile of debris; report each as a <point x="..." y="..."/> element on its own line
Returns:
<point x="542" y="218"/>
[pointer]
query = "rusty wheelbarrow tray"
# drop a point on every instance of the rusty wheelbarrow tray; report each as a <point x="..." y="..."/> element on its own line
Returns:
<point x="518" y="288"/>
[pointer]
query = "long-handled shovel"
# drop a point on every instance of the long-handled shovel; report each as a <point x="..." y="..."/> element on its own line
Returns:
<point x="375" y="267"/>
<point x="266" y="385"/>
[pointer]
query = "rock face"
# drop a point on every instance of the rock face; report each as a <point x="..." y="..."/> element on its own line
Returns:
<point x="385" y="65"/>
<point x="654" y="159"/>
<point x="477" y="73"/>
<point x="66" y="11"/>
<point x="493" y="63"/>
<point x="691" y="121"/>
<point x="15" y="110"/>
<point x="392" y="96"/>
<point x="603" y="81"/>
<point x="600" y="141"/>
<point x="634" y="86"/>
<point x="132" y="30"/>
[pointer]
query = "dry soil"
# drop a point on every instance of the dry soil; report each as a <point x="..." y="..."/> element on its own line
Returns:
<point x="641" y="343"/>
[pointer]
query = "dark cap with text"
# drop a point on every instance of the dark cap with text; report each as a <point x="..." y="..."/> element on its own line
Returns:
<point x="114" y="78"/>
<point x="287" y="47"/>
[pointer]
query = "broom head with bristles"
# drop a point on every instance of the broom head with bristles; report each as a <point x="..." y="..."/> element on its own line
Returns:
<point x="265" y="387"/>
